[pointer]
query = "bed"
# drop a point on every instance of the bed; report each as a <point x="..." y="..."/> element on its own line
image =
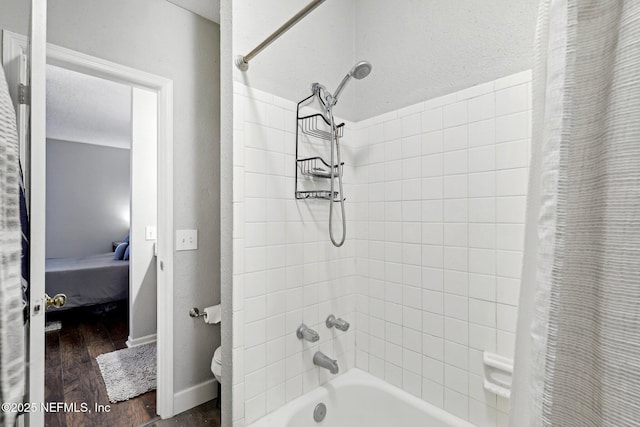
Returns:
<point x="89" y="280"/>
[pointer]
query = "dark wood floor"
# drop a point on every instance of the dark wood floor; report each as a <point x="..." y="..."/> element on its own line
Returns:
<point x="72" y="375"/>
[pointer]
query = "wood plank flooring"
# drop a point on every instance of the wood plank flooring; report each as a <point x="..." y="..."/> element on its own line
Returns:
<point x="72" y="375"/>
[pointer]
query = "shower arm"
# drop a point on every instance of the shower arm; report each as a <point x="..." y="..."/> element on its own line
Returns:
<point x="242" y="62"/>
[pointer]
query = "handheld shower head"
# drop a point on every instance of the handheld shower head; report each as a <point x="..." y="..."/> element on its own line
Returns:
<point x="359" y="71"/>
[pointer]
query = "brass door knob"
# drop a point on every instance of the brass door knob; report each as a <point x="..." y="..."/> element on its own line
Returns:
<point x="57" y="301"/>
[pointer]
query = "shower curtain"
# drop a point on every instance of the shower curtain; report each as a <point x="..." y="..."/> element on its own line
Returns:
<point x="578" y="340"/>
<point x="11" y="305"/>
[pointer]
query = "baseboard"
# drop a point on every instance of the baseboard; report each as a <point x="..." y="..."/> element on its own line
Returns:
<point x="135" y="342"/>
<point x="194" y="396"/>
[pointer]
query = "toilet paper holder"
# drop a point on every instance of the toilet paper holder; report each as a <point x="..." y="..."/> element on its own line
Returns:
<point x="194" y="312"/>
<point x="211" y="315"/>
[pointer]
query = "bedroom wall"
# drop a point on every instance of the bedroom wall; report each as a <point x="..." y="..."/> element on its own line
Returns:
<point x="164" y="39"/>
<point x="87" y="198"/>
<point x="144" y="213"/>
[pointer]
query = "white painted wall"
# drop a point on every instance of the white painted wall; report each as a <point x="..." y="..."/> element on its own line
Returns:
<point x="164" y="39"/>
<point x="87" y="198"/>
<point x="226" y="210"/>
<point x="320" y="48"/>
<point x="144" y="213"/>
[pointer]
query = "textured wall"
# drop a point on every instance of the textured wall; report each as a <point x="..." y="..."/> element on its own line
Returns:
<point x="164" y="39"/>
<point x="87" y="198"/>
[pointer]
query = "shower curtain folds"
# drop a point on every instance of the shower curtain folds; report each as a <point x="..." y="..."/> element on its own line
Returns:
<point x="578" y="339"/>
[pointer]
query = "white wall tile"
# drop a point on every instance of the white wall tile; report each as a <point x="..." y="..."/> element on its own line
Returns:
<point x="431" y="120"/>
<point x="429" y="276"/>
<point x="512" y="127"/>
<point x="411" y="125"/>
<point x="482" y="184"/>
<point x="455" y="186"/>
<point x="482" y="107"/>
<point x="455" y="138"/>
<point x="482" y="133"/>
<point x="512" y="155"/>
<point x="455" y="162"/>
<point x="454" y="114"/>
<point x="432" y="142"/>
<point x="511" y="209"/>
<point x="482" y="209"/>
<point x="482" y="159"/>
<point x="511" y="100"/>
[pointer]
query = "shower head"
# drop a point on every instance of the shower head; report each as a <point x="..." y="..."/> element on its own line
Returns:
<point x="359" y="71"/>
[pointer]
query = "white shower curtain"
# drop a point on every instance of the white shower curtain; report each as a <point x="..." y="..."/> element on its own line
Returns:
<point x="578" y="339"/>
<point x="11" y="318"/>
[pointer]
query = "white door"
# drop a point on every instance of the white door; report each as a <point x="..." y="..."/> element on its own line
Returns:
<point x="37" y="177"/>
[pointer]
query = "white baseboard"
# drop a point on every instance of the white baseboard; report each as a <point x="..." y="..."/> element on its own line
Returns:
<point x="147" y="339"/>
<point x="194" y="396"/>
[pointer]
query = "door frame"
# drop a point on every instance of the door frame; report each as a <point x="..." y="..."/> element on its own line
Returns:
<point x="72" y="60"/>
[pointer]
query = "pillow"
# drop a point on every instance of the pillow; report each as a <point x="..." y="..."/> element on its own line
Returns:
<point x="126" y="239"/>
<point x="120" y="250"/>
<point x="126" y="253"/>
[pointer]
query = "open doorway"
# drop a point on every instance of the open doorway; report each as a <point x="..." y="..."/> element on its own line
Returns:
<point x="101" y="221"/>
<point x="15" y="49"/>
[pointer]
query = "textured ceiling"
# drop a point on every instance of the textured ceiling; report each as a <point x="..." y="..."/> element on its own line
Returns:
<point x="421" y="49"/>
<point x="209" y="9"/>
<point x="87" y="109"/>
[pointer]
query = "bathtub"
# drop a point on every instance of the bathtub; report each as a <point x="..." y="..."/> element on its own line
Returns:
<point x="358" y="399"/>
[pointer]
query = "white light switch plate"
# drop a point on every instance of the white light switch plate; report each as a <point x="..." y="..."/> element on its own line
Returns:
<point x="150" y="232"/>
<point x="186" y="240"/>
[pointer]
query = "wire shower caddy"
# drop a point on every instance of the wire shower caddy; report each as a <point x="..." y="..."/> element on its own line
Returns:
<point x="315" y="167"/>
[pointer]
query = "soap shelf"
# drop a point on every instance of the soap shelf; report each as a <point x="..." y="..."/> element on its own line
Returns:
<point x="318" y="126"/>
<point x="317" y="167"/>
<point x="498" y="372"/>
<point x="317" y="194"/>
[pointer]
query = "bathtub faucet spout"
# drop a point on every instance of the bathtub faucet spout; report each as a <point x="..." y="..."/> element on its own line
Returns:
<point x="320" y="359"/>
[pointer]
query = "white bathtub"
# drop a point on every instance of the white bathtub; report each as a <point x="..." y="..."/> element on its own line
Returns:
<point x="358" y="399"/>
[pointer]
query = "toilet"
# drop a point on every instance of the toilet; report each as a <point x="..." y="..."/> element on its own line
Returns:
<point x="216" y="364"/>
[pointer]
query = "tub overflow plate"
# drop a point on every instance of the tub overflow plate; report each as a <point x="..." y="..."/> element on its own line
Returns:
<point x="320" y="412"/>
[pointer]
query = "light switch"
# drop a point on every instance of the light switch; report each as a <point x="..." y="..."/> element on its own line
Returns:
<point x="186" y="240"/>
<point x="150" y="232"/>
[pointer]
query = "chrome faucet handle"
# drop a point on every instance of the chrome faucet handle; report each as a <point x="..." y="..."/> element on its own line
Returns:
<point x="331" y="322"/>
<point x="306" y="333"/>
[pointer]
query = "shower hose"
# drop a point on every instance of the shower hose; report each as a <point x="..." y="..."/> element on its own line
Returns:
<point x="335" y="148"/>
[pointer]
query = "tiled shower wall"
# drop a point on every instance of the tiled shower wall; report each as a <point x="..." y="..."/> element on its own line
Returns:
<point x="440" y="205"/>
<point x="285" y="269"/>
<point x="429" y="274"/>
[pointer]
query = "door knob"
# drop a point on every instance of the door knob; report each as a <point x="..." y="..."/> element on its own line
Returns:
<point x="57" y="301"/>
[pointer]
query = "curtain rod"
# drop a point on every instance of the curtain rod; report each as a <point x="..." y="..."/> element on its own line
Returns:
<point x="242" y="62"/>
